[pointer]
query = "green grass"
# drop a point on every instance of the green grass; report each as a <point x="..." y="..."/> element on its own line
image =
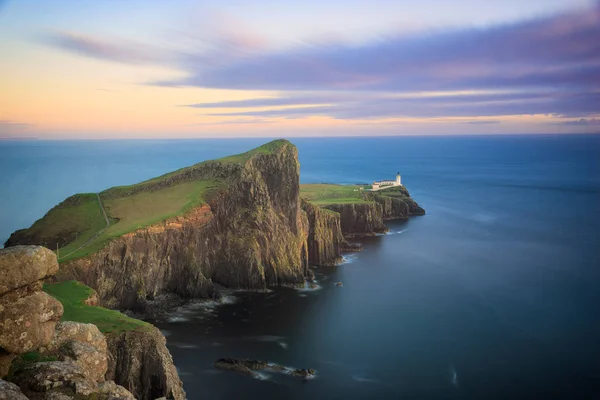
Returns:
<point x="72" y="222"/>
<point x="323" y="194"/>
<point x="72" y="295"/>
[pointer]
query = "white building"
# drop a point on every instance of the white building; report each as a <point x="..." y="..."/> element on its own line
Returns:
<point x="378" y="185"/>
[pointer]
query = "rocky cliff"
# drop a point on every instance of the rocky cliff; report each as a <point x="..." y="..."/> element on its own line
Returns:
<point x="250" y="234"/>
<point x="325" y="239"/>
<point x="140" y="362"/>
<point x="360" y="218"/>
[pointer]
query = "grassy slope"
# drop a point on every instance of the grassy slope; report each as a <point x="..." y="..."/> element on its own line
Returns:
<point x="72" y="295"/>
<point x="74" y="221"/>
<point x="145" y="208"/>
<point x="79" y="218"/>
<point x="323" y="194"/>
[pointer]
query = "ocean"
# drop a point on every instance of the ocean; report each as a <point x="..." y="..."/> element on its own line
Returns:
<point x="494" y="293"/>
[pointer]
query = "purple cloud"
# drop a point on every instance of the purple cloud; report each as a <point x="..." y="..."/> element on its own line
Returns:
<point x="487" y="105"/>
<point x="483" y="122"/>
<point x="582" y="122"/>
<point x="121" y="51"/>
<point x="551" y="51"/>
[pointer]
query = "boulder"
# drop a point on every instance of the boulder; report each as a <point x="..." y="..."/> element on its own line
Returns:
<point x="114" y="391"/>
<point x="22" y="265"/>
<point x="85" y="333"/>
<point x="81" y="344"/>
<point x="10" y="391"/>
<point x="45" y="376"/>
<point x="93" y="362"/>
<point x="28" y="322"/>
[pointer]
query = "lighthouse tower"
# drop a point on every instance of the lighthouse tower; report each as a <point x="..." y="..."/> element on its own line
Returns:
<point x="398" y="180"/>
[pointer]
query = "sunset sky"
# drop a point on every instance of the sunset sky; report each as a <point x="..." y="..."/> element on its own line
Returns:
<point x="183" y="68"/>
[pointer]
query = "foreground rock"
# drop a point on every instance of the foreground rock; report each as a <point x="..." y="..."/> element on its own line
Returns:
<point x="28" y="316"/>
<point x="141" y="363"/>
<point x="249" y="366"/>
<point x="64" y="380"/>
<point x="83" y="345"/>
<point x="22" y="265"/>
<point x="10" y="391"/>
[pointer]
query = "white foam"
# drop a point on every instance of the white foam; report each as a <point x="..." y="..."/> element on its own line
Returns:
<point x="261" y="376"/>
<point x="177" y="318"/>
<point x="307" y="287"/>
<point x="266" y="338"/>
<point x="363" y="379"/>
<point x="283" y="344"/>
<point x="348" y="259"/>
<point x="184" y="345"/>
<point x="454" y="376"/>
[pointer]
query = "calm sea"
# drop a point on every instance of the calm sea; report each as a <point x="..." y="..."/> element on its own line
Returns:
<point x="495" y="293"/>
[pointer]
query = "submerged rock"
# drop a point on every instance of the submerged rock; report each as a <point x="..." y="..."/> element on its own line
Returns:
<point x="339" y="284"/>
<point x="303" y="373"/>
<point x="249" y="366"/>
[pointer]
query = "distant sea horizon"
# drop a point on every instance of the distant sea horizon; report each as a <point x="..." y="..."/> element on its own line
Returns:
<point x="492" y="294"/>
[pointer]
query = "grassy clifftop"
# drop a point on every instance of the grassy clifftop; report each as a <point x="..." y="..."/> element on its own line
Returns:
<point x="77" y="225"/>
<point x="323" y="194"/>
<point x="73" y="294"/>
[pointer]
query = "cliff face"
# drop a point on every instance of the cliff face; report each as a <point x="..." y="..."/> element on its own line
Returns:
<point x="325" y="239"/>
<point x="252" y="234"/>
<point x="140" y="362"/>
<point x="360" y="218"/>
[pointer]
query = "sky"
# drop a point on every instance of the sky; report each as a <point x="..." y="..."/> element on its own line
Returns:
<point x="90" y="69"/>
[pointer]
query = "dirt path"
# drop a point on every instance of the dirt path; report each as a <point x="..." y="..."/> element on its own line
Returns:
<point x="96" y="235"/>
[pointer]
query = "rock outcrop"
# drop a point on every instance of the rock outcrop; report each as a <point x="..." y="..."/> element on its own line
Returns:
<point x="28" y="316"/>
<point x="325" y="239"/>
<point x="140" y="362"/>
<point x="249" y="367"/>
<point x="360" y="218"/>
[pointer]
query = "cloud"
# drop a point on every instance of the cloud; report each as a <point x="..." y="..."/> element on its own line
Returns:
<point x="6" y="125"/>
<point x="548" y="65"/>
<point x="117" y="50"/>
<point x="234" y="122"/>
<point x="582" y="122"/>
<point x="484" y="105"/>
<point x="483" y="122"/>
<point x="13" y="130"/>
<point x="561" y="50"/>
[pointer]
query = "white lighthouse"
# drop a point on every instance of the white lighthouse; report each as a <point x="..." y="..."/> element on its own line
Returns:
<point x="398" y="179"/>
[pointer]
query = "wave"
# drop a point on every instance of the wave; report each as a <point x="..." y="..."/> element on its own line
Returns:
<point x="453" y="376"/>
<point x="348" y="259"/>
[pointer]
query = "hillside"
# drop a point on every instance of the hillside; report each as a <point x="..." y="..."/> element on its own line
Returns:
<point x="77" y="226"/>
